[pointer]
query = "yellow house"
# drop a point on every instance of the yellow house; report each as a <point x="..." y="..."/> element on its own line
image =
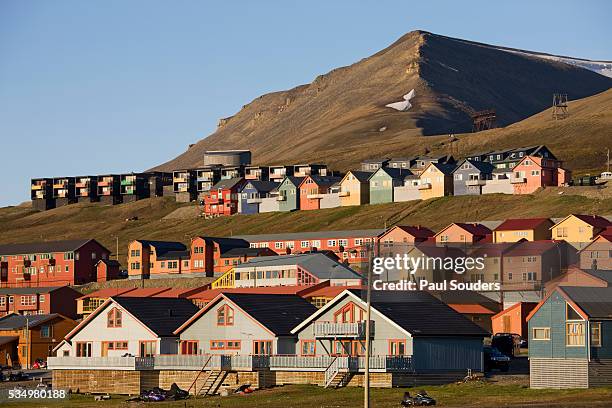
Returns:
<point x="355" y="188"/>
<point x="579" y="230"/>
<point x="515" y="229"/>
<point x="436" y="180"/>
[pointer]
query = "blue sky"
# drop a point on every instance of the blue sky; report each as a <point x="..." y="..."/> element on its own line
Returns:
<point x="114" y="86"/>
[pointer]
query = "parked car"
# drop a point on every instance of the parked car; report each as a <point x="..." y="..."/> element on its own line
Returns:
<point x="494" y="359"/>
<point x="507" y="343"/>
<point x="39" y="364"/>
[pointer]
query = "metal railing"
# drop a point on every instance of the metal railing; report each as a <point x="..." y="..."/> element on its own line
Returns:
<point x="332" y="329"/>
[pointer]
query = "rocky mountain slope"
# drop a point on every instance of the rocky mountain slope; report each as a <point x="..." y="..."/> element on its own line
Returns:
<point x="341" y="117"/>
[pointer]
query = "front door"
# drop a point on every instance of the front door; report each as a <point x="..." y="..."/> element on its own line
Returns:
<point x="104" y="351"/>
<point x="148" y="348"/>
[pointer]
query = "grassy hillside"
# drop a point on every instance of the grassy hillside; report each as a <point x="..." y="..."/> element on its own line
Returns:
<point x="341" y="118"/>
<point x="105" y="223"/>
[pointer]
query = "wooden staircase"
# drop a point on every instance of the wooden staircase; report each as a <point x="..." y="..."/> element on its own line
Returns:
<point x="341" y="379"/>
<point x="213" y="382"/>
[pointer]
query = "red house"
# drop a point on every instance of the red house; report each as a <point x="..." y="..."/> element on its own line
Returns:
<point x="513" y="319"/>
<point x="207" y="254"/>
<point x="39" y="300"/>
<point x="312" y="190"/>
<point x="533" y="172"/>
<point x="53" y="263"/>
<point x="107" y="269"/>
<point x="222" y="199"/>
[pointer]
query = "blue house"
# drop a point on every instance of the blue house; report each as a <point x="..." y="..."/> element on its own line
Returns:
<point x="470" y="175"/>
<point x="570" y="338"/>
<point x="252" y="193"/>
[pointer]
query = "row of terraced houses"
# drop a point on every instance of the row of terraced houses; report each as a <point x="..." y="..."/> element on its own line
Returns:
<point x="228" y="184"/>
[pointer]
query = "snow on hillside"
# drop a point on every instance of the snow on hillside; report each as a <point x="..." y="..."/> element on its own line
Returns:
<point x="601" y="67"/>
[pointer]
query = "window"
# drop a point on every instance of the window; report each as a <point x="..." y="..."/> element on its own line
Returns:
<point x="305" y="244"/>
<point x="315" y="244"/>
<point x="3" y="301"/>
<point x="113" y="318"/>
<point x="41" y="299"/>
<point x="262" y="347"/>
<point x="541" y="333"/>
<point x="595" y="334"/>
<point x="148" y="348"/>
<point x="28" y="300"/>
<point x="308" y="347"/>
<point x="562" y="232"/>
<point x="83" y="349"/>
<point x="115" y="345"/>
<point x="278" y="245"/>
<point x="189" y="347"/>
<point x="10" y="300"/>
<point x="343" y="242"/>
<point x="45" y="331"/>
<point x="225" y="344"/>
<point x="225" y="316"/>
<point x="574" y="334"/>
<point x="331" y="242"/>
<point x="397" y="347"/>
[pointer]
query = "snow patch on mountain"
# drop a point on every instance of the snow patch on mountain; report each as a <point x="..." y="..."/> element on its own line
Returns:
<point x="404" y="105"/>
<point x="601" y="67"/>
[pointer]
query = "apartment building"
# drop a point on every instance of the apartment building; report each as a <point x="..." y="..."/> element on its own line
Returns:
<point x="64" y="191"/>
<point x="52" y="263"/>
<point x="137" y="186"/>
<point x="206" y="177"/>
<point x="41" y="194"/>
<point x="39" y="300"/>
<point x="184" y="185"/>
<point x="109" y="189"/>
<point x="86" y="189"/>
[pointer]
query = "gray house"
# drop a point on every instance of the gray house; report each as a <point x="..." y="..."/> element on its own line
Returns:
<point x="289" y="193"/>
<point x="412" y="333"/>
<point x="570" y="338"/>
<point x="470" y="176"/>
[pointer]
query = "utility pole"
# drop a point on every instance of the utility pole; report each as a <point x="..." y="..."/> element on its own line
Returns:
<point x="117" y="248"/>
<point x="366" y="374"/>
<point x="27" y="335"/>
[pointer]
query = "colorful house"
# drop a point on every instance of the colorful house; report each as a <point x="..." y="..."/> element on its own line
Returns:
<point x="409" y="191"/>
<point x="575" y="276"/>
<point x="252" y="193"/>
<point x="313" y="189"/>
<point x="107" y="269"/>
<point x="470" y="176"/>
<point x="39" y="300"/>
<point x="400" y="238"/>
<point x="355" y="188"/>
<point x="436" y="180"/>
<point x="516" y="229"/>
<point x="513" y="319"/>
<point x="25" y="339"/>
<point x="569" y="339"/>
<point x="289" y="193"/>
<point x="52" y="263"/>
<point x="148" y="258"/>
<point x="382" y="184"/>
<point x="463" y="234"/>
<point x="288" y="270"/>
<point x="598" y="254"/>
<point x="579" y="230"/>
<point x="533" y="172"/>
<point x="222" y="199"/>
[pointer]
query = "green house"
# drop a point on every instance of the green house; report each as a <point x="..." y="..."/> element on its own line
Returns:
<point x="289" y="194"/>
<point x="570" y="338"/>
<point x="382" y="182"/>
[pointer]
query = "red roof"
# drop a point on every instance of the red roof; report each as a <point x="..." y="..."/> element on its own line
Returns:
<point x="107" y="292"/>
<point x="418" y="231"/>
<point x="181" y="292"/>
<point x="330" y="291"/>
<point x="470" y="309"/>
<point x="144" y="292"/>
<point x="594" y="220"/>
<point x="210" y="294"/>
<point x="474" y="228"/>
<point x="521" y="224"/>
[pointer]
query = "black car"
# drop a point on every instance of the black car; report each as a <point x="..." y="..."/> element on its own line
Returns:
<point x="507" y="343"/>
<point x="495" y="359"/>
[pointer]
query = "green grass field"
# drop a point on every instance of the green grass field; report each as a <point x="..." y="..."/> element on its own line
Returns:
<point x="106" y="223"/>
<point x="482" y="395"/>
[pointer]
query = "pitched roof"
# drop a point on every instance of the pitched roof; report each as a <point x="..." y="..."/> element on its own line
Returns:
<point x="421" y="314"/>
<point x="431" y="249"/>
<point x="7" y="339"/>
<point x="324" y="180"/>
<point x="227" y="183"/>
<point x="483" y="167"/>
<point x="393" y="172"/>
<point x="444" y="168"/>
<point x="262" y="186"/>
<point x="594" y="220"/>
<point x="43" y="247"/>
<point x="470" y="309"/>
<point x="295" y="236"/>
<point x="296" y="181"/>
<point x="161" y="315"/>
<point x="320" y="265"/>
<point x="226" y="244"/>
<point x="603" y="275"/>
<point x="143" y="292"/>
<point x="522" y="224"/>
<point x="595" y="302"/>
<point x="109" y="262"/>
<point x="278" y="313"/>
<point x="526" y="248"/>
<point x="210" y="294"/>
<point x="15" y="321"/>
<point x="474" y="228"/>
<point x="361" y="176"/>
<point x="417" y="231"/>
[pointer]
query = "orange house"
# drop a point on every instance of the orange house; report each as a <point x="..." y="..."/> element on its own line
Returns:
<point x="312" y="190"/>
<point x="534" y="172"/>
<point x="402" y="237"/>
<point x="513" y="319"/>
<point x="463" y="233"/>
